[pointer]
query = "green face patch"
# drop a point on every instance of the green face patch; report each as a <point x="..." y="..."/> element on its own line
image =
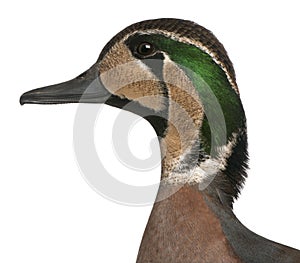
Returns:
<point x="224" y="114"/>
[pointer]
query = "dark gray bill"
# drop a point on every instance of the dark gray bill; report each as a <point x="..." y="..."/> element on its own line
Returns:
<point x="85" y="88"/>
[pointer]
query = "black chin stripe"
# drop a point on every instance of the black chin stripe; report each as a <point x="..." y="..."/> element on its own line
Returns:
<point x="156" y="64"/>
<point x="159" y="121"/>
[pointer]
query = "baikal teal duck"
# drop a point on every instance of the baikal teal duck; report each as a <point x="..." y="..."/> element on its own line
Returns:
<point x="178" y="76"/>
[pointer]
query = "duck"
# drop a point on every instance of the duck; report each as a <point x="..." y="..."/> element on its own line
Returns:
<point x="178" y="76"/>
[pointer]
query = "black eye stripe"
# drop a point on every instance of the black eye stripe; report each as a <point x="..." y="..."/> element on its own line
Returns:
<point x="143" y="47"/>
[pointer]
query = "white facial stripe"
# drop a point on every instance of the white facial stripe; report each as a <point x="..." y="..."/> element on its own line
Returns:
<point x="175" y="77"/>
<point x="185" y="116"/>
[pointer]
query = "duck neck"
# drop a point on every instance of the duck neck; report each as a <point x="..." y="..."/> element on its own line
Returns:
<point x="183" y="228"/>
<point x="205" y="121"/>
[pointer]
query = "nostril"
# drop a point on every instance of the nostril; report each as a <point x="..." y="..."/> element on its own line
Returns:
<point x="82" y="75"/>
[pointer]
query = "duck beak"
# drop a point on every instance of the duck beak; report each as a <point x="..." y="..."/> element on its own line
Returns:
<point x="86" y="88"/>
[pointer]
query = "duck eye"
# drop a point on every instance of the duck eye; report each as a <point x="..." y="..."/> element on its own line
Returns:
<point x="145" y="49"/>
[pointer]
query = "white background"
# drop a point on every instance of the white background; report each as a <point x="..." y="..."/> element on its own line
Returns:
<point x="48" y="212"/>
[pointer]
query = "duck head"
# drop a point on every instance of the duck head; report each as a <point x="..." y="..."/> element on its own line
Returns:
<point x="178" y="76"/>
